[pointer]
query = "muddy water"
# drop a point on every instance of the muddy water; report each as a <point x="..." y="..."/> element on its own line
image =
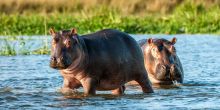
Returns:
<point x="27" y="82"/>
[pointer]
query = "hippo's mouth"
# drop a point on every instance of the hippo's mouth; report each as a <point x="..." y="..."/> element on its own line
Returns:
<point x="161" y="82"/>
<point x="60" y="63"/>
<point x="167" y="81"/>
<point x="58" y="66"/>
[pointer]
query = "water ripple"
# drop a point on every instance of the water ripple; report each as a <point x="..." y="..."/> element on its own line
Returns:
<point x="27" y="82"/>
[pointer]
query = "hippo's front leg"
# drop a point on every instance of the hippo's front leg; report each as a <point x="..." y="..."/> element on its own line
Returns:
<point x="89" y="86"/>
<point x="145" y="83"/>
<point x="69" y="85"/>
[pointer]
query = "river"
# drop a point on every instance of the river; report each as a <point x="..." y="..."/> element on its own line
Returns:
<point x="27" y="82"/>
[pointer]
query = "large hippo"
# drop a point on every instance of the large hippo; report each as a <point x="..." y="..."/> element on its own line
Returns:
<point x="104" y="60"/>
<point x="161" y="61"/>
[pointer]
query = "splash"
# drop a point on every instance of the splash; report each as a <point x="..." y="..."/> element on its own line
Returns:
<point x="176" y="83"/>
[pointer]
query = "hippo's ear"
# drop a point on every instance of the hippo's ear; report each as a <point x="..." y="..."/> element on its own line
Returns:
<point x="52" y="32"/>
<point x="150" y="40"/>
<point x="73" y="31"/>
<point x="173" y="41"/>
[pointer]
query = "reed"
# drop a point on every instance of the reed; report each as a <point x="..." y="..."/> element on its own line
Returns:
<point x="7" y="49"/>
<point x="23" y="46"/>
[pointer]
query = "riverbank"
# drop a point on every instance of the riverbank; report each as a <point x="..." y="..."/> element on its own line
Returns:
<point x="185" y="17"/>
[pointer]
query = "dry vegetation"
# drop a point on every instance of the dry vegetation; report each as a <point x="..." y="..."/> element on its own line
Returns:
<point x="125" y="7"/>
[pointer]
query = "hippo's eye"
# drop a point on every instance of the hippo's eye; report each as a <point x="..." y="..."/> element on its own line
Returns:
<point x="155" y="52"/>
<point x="172" y="49"/>
<point x="55" y="40"/>
<point x="67" y="43"/>
<point x="154" y="49"/>
<point x="160" y="48"/>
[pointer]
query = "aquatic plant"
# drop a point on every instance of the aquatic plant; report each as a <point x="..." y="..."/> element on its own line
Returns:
<point x="7" y="49"/>
<point x="22" y="46"/>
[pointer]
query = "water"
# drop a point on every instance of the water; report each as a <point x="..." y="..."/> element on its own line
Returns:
<point x="27" y="82"/>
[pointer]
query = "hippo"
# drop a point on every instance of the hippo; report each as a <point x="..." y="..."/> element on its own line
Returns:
<point x="104" y="60"/>
<point x="161" y="61"/>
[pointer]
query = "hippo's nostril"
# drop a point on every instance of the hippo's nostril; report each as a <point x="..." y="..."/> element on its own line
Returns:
<point x="53" y="59"/>
<point x="163" y="67"/>
<point x="167" y="76"/>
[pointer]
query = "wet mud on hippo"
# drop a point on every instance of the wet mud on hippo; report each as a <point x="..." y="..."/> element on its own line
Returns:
<point x="104" y="60"/>
<point x="161" y="61"/>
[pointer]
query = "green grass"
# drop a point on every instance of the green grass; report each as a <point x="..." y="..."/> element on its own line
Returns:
<point x="7" y="49"/>
<point x="187" y="18"/>
<point x="182" y="21"/>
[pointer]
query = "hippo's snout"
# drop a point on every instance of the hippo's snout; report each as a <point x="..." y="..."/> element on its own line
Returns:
<point x="57" y="63"/>
<point x="53" y="59"/>
<point x="163" y="72"/>
<point x="53" y="62"/>
<point x="168" y="72"/>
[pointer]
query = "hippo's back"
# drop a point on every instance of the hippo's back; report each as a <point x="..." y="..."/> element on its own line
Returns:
<point x="113" y="52"/>
<point x="107" y="34"/>
<point x="112" y="41"/>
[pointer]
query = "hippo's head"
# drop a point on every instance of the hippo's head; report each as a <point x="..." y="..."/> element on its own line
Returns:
<point x="63" y="48"/>
<point x="161" y="61"/>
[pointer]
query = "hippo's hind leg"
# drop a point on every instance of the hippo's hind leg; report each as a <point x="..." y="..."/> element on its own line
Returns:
<point x="145" y="84"/>
<point x="119" y="91"/>
<point x="89" y="86"/>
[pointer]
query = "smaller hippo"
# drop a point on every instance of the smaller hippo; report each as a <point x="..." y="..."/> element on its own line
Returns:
<point x="104" y="60"/>
<point x="161" y="61"/>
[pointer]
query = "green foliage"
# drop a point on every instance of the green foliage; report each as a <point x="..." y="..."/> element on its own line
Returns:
<point x="21" y="46"/>
<point x="188" y="17"/>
